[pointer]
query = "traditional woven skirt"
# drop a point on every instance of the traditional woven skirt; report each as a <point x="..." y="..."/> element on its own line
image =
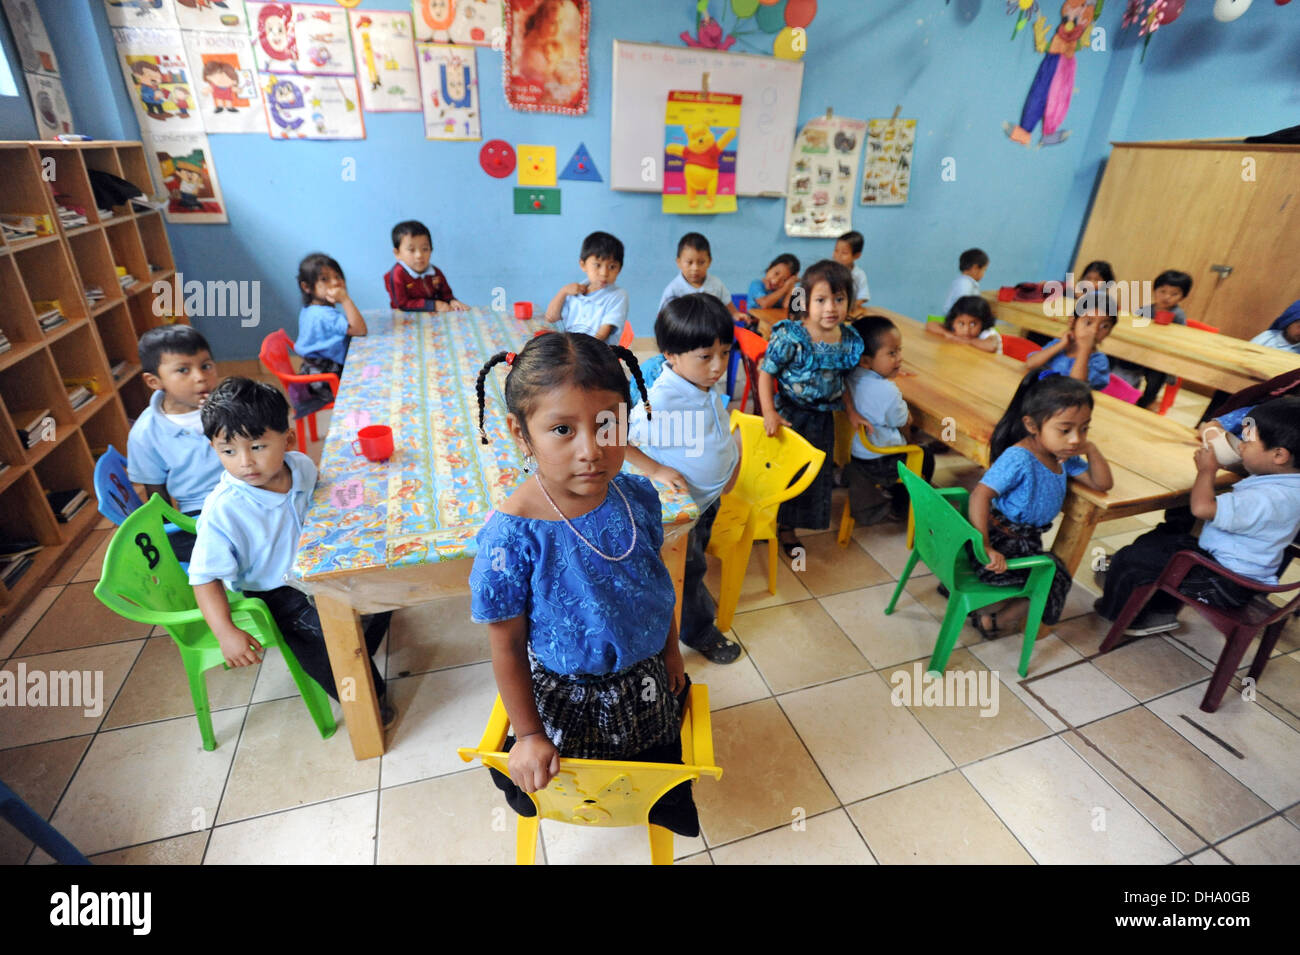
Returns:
<point x="628" y="715"/>
<point x="1014" y="539"/>
<point x="812" y="508"/>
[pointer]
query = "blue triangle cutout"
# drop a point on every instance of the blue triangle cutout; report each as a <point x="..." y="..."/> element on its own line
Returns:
<point x="581" y="158"/>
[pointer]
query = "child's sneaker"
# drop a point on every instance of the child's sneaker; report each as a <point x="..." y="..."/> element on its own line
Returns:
<point x="1149" y="623"/>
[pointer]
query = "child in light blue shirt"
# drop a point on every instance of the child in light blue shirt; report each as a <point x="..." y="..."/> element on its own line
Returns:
<point x="693" y="260"/>
<point x="1077" y="355"/>
<point x="166" y="450"/>
<point x="690" y="433"/>
<point x="328" y="320"/>
<point x="875" y="492"/>
<point x="774" y="288"/>
<point x="596" y="307"/>
<point x="248" y="532"/>
<point x="1284" y="332"/>
<point x="972" y="264"/>
<point x="848" y="249"/>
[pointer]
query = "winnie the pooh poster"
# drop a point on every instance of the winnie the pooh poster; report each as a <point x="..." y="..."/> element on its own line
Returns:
<point x="700" y="152"/>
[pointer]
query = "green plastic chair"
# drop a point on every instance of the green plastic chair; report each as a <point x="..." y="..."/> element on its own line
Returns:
<point x="942" y="533"/>
<point x="143" y="581"/>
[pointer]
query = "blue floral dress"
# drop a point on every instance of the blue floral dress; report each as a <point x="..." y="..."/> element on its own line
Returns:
<point x="810" y="378"/>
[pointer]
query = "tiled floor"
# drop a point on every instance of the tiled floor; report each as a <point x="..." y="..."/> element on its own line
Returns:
<point x="1089" y="759"/>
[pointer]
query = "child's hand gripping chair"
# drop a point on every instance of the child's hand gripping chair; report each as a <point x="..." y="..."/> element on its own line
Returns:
<point x="602" y="792"/>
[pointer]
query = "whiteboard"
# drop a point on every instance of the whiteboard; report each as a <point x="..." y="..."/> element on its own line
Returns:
<point x="769" y="112"/>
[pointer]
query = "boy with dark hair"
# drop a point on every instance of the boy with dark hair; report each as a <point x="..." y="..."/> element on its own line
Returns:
<point x="1246" y="530"/>
<point x="1167" y="291"/>
<point x="596" y="307"/>
<point x="689" y="440"/>
<point x="693" y="260"/>
<point x="249" y="529"/>
<point x="773" y="290"/>
<point x="972" y="264"/>
<point x="413" y="284"/>
<point x="875" y="492"/>
<point x="166" y="450"/>
<point x="848" y="249"/>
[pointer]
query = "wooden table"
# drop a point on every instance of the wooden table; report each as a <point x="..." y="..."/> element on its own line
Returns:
<point x="1207" y="358"/>
<point x="958" y="393"/>
<point x="401" y="532"/>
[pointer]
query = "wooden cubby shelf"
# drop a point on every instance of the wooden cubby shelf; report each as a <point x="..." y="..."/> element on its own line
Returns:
<point x="39" y="366"/>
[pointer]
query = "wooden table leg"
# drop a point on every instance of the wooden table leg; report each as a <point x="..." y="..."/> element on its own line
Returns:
<point x="674" y="555"/>
<point x="350" y="662"/>
<point x="1079" y="520"/>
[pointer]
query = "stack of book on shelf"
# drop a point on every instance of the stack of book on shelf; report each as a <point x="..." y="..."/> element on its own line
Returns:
<point x="67" y="503"/>
<point x="81" y="390"/>
<point x="106" y="214"/>
<point x="5" y="344"/>
<point x="94" y="295"/>
<point x="71" y="215"/>
<point x="149" y="202"/>
<point x="124" y="278"/>
<point x="33" y="425"/>
<point x="25" y="225"/>
<point x="50" y="314"/>
<point x="119" y="369"/>
<point x="15" y="557"/>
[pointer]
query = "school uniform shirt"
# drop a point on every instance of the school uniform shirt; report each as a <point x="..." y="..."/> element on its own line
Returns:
<point x="678" y="287"/>
<point x="1253" y="523"/>
<point x="1273" y="338"/>
<point x="322" y="332"/>
<point x="586" y="314"/>
<point x="1027" y="491"/>
<point x="961" y="286"/>
<point x="413" y="291"/>
<point x="756" y="291"/>
<point x="247" y="535"/>
<point x="879" y="401"/>
<point x="860" y="290"/>
<point x="161" y="450"/>
<point x="688" y="430"/>
<point x="1098" y="366"/>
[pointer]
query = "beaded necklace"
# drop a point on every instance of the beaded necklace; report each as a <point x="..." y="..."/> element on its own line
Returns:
<point x="579" y="533"/>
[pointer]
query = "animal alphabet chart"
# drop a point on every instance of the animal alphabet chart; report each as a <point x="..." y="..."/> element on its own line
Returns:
<point x="887" y="172"/>
<point x="823" y="165"/>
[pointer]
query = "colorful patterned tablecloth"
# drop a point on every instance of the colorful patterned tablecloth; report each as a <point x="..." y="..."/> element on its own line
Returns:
<point x="416" y="372"/>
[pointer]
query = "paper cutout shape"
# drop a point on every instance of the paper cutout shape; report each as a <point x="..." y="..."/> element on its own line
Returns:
<point x="536" y="165"/>
<point x="537" y="202"/>
<point x="497" y="157"/>
<point x="580" y="167"/>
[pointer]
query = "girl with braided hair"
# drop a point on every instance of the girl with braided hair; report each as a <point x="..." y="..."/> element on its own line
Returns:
<point x="569" y="580"/>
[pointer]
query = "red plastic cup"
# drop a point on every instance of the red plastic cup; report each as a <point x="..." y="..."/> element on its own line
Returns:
<point x="523" y="310"/>
<point x="1164" y="318"/>
<point x="375" y="442"/>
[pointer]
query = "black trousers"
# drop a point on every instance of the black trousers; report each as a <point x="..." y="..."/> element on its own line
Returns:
<point x="300" y="624"/>
<point x="875" y="492"/>
<point x="698" y="608"/>
<point x="1143" y="561"/>
<point x="183" y="541"/>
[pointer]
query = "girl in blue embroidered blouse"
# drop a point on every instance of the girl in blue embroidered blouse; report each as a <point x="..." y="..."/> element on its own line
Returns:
<point x="1038" y="445"/>
<point x="808" y="359"/>
<point x="569" y="579"/>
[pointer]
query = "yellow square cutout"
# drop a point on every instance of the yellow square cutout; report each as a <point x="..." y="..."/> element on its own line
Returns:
<point x="536" y="165"/>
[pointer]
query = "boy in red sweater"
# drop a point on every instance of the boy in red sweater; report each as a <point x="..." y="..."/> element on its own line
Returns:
<point x="413" y="284"/>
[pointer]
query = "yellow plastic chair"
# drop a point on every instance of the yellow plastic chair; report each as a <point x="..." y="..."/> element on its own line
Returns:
<point x="747" y="512"/>
<point x="913" y="463"/>
<point x="601" y="792"/>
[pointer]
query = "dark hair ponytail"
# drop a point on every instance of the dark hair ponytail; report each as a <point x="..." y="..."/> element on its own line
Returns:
<point x="554" y="359"/>
<point x="1038" y="399"/>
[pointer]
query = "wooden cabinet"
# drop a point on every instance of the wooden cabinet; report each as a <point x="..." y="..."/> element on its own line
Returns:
<point x="1196" y="205"/>
<point x="60" y="262"/>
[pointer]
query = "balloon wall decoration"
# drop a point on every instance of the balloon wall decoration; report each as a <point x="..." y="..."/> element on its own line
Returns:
<point x="775" y="26"/>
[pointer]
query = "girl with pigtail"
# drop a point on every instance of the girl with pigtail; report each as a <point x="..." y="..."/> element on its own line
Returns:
<point x="569" y="579"/>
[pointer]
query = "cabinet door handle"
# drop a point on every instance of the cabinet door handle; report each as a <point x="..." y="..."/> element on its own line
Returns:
<point x="1223" y="270"/>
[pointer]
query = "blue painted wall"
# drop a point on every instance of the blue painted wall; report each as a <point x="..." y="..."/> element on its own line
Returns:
<point x="952" y="66"/>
